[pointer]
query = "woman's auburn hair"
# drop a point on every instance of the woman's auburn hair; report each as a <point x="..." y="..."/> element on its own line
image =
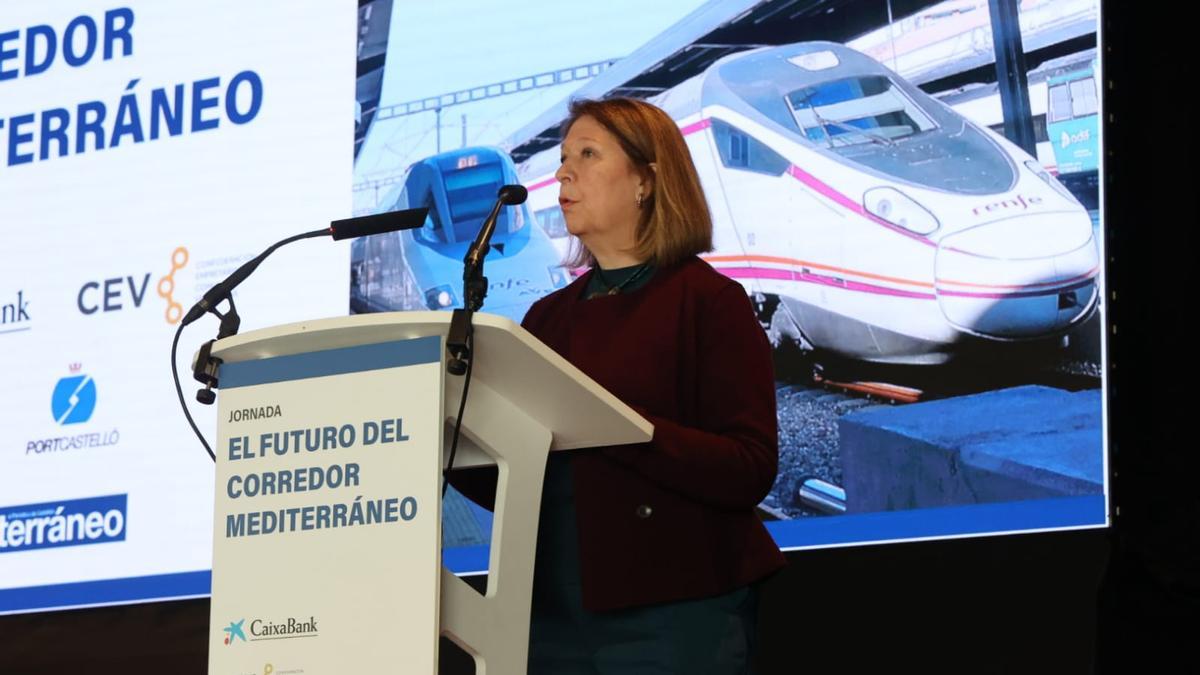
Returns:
<point x="675" y="223"/>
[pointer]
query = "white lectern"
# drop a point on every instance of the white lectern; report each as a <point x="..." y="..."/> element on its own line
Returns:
<point x="321" y="490"/>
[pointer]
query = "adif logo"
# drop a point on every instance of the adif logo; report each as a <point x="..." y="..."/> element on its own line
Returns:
<point x="117" y="293"/>
<point x="74" y="398"/>
<point x="1067" y="139"/>
<point x="75" y="522"/>
<point x="234" y="631"/>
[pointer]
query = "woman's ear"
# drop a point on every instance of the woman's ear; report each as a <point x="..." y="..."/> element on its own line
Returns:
<point x="648" y="178"/>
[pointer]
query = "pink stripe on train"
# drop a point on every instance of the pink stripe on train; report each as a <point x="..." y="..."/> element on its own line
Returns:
<point x="859" y="287"/>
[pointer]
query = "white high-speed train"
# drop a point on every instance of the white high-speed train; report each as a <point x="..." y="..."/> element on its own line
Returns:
<point x="869" y="219"/>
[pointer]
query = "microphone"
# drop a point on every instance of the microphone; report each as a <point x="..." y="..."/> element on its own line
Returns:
<point x="509" y="195"/>
<point x="338" y="229"/>
<point x="365" y="226"/>
<point x="513" y="194"/>
<point x="459" y="338"/>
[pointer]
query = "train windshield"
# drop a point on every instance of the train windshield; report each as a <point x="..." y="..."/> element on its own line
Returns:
<point x="856" y="110"/>
<point x="472" y="191"/>
<point x="875" y="122"/>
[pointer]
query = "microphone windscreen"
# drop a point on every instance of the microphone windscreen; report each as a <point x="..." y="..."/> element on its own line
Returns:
<point x="512" y="195"/>
<point x="365" y="226"/>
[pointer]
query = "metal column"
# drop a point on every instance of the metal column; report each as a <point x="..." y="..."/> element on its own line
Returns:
<point x="1010" y="74"/>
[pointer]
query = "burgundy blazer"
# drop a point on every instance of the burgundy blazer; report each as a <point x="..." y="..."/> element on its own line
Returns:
<point x="674" y="518"/>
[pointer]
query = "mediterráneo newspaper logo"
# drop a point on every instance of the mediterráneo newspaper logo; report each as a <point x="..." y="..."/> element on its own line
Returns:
<point x="73" y="522"/>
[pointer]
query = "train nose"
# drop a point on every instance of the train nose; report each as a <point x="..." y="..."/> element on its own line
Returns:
<point x="1018" y="278"/>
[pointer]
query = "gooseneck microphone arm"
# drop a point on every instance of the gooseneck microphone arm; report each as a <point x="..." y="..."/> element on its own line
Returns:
<point x="206" y="367"/>
<point x="458" y="339"/>
<point x="337" y="230"/>
<point x="473" y="262"/>
<point x="509" y="195"/>
<point x="222" y="291"/>
<point x="473" y="291"/>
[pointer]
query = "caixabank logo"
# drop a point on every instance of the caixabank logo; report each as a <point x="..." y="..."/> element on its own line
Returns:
<point x="128" y="292"/>
<point x="14" y="313"/>
<point x="73" y="402"/>
<point x="71" y="522"/>
<point x="262" y="629"/>
<point x="235" y="631"/>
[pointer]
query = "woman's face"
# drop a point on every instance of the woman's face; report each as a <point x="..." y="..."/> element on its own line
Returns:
<point x="598" y="187"/>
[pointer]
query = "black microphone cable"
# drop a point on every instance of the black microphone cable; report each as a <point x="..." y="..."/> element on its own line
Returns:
<point x="179" y="392"/>
<point x="462" y="405"/>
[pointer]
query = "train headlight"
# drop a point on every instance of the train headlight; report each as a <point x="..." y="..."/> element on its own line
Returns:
<point x="1039" y="171"/>
<point x="440" y="297"/>
<point x="899" y="209"/>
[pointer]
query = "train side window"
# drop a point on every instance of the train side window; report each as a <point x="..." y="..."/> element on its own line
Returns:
<point x="518" y="220"/>
<point x="739" y="150"/>
<point x="551" y="220"/>
<point x="1083" y="97"/>
<point x="1040" y="135"/>
<point x="1059" y="104"/>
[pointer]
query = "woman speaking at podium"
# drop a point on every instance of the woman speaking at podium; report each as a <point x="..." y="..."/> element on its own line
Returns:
<point x="648" y="555"/>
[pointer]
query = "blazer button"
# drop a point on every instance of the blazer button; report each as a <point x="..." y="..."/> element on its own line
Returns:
<point x="644" y="511"/>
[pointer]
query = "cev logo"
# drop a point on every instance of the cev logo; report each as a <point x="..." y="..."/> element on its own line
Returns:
<point x="74" y="398"/>
<point x="113" y="292"/>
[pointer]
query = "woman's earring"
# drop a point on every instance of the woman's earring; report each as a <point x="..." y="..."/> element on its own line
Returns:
<point x="639" y="200"/>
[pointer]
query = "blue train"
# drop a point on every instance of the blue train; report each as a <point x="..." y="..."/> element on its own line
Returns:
<point x="422" y="268"/>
